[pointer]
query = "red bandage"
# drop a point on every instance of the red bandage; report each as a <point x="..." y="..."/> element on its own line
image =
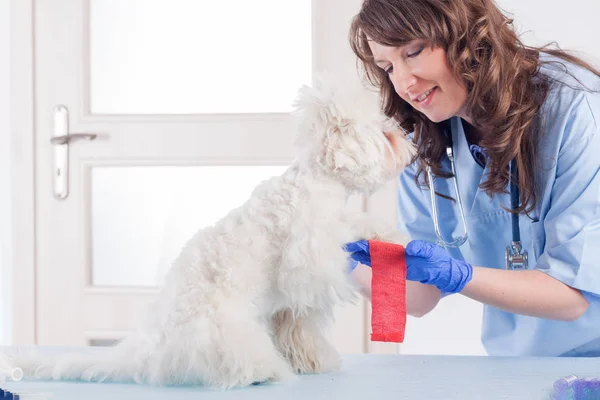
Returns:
<point x="388" y="292"/>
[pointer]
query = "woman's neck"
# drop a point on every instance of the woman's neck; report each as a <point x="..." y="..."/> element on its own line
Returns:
<point x="472" y="134"/>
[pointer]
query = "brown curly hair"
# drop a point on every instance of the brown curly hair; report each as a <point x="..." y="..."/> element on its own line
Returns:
<point x="505" y="90"/>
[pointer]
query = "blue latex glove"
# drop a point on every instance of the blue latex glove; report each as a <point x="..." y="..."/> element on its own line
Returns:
<point x="360" y="253"/>
<point x="352" y="266"/>
<point x="426" y="263"/>
<point x="431" y="264"/>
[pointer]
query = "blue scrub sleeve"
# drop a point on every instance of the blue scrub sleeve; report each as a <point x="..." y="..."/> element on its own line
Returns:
<point x="570" y="232"/>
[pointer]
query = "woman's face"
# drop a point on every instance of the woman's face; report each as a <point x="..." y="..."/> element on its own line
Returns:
<point x="422" y="77"/>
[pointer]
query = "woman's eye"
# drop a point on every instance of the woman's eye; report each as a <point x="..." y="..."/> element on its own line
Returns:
<point x="415" y="53"/>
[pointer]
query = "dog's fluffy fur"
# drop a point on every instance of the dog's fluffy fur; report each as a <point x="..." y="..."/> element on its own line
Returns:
<point x="250" y="298"/>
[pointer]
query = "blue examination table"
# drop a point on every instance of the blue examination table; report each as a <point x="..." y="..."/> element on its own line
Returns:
<point x="366" y="377"/>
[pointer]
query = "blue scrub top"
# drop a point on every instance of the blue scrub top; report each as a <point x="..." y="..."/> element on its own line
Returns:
<point x="562" y="240"/>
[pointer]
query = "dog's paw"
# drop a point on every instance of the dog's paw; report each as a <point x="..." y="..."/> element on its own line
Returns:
<point x="280" y="372"/>
<point x="249" y="367"/>
<point x="325" y="360"/>
<point x="283" y="373"/>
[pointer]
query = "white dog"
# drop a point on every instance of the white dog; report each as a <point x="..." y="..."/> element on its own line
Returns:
<point x="249" y="299"/>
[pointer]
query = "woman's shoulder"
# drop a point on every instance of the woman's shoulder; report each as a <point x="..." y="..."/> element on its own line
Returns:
<point x="572" y="107"/>
<point x="566" y="75"/>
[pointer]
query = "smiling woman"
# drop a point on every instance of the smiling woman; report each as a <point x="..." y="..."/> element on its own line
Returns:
<point x="456" y="74"/>
<point x="422" y="77"/>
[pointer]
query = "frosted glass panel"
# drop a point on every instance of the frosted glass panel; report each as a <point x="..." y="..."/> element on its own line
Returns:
<point x="142" y="216"/>
<point x="198" y="56"/>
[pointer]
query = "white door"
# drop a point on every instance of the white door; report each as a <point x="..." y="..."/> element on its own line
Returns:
<point x="188" y="103"/>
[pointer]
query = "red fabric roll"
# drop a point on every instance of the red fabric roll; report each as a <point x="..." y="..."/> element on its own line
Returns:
<point x="388" y="292"/>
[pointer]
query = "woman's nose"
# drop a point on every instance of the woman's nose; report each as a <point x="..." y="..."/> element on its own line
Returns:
<point x="403" y="80"/>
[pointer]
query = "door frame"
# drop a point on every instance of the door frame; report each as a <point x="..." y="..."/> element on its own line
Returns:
<point x="22" y="299"/>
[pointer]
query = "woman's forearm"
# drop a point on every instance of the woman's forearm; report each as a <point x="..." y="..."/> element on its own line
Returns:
<point x="420" y="298"/>
<point x="529" y="292"/>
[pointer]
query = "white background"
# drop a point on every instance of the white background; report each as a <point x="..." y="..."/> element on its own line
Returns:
<point x="546" y="20"/>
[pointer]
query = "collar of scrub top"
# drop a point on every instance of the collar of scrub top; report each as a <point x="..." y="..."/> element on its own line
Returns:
<point x="478" y="152"/>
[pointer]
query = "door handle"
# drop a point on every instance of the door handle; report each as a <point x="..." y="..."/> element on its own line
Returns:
<point x="60" y="140"/>
<point x="65" y="139"/>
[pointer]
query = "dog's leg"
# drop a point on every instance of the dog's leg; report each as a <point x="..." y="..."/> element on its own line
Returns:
<point x="241" y="351"/>
<point x="303" y="342"/>
<point x="393" y="237"/>
<point x="364" y="227"/>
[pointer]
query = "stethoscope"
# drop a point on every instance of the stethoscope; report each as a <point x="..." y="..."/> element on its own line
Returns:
<point x="515" y="256"/>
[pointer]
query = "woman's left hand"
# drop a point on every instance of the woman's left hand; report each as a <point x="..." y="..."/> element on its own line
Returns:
<point x="426" y="263"/>
<point x="431" y="264"/>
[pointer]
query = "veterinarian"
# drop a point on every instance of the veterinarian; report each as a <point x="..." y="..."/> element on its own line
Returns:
<point x="455" y="75"/>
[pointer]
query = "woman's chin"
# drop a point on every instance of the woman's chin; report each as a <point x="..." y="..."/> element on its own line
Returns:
<point x="437" y="117"/>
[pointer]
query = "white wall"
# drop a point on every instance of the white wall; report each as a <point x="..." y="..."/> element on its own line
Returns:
<point x="572" y="24"/>
<point x="5" y="224"/>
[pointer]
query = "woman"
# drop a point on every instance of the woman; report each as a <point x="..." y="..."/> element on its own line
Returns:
<point x="456" y="68"/>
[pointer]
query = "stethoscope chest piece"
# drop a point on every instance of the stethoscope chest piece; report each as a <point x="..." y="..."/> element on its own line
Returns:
<point x="515" y="257"/>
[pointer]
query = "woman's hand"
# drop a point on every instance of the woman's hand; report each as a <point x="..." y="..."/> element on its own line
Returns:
<point x="425" y="263"/>
<point x="431" y="264"/>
